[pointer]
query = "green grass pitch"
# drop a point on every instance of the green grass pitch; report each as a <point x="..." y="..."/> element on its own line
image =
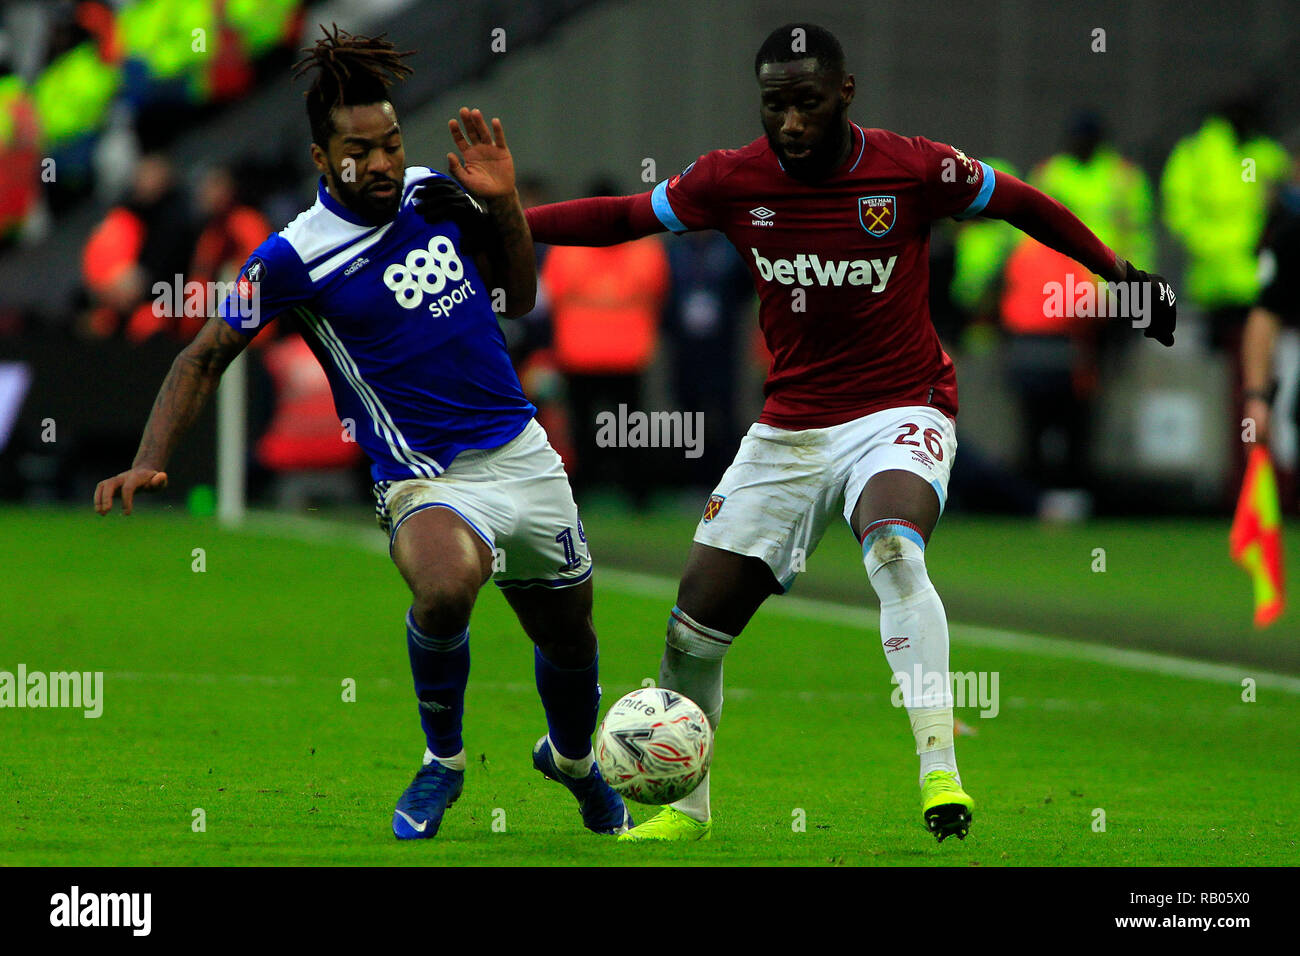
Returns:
<point x="224" y="692"/>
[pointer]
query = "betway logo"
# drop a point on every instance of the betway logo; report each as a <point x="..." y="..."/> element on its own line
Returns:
<point x="811" y="270"/>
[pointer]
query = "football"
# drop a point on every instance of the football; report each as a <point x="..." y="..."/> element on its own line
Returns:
<point x="654" y="745"/>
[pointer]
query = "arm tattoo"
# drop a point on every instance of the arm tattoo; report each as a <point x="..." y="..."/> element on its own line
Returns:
<point x="514" y="264"/>
<point x="192" y="379"/>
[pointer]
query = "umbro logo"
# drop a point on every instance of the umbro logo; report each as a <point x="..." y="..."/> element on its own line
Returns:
<point x="762" y="216"/>
<point x="895" y="644"/>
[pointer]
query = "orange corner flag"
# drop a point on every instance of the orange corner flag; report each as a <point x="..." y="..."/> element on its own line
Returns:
<point x="1255" y="541"/>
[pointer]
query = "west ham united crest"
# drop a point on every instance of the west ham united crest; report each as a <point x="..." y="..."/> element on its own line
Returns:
<point x="713" y="507"/>
<point x="876" y="213"/>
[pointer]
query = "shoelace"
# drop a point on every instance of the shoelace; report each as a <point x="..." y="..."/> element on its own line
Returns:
<point x="430" y="780"/>
<point x="944" y="782"/>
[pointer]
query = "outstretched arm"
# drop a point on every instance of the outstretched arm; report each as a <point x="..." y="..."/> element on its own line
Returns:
<point x="599" y="221"/>
<point x="486" y="170"/>
<point x="1043" y="218"/>
<point x="511" y="260"/>
<point x="193" y="377"/>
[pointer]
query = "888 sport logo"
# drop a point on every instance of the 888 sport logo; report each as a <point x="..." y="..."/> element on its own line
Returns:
<point x="428" y="270"/>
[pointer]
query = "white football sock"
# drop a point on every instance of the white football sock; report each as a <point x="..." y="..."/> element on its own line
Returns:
<point x="696" y="803"/>
<point x="577" y="769"/>
<point x="692" y="665"/>
<point x="945" y="759"/>
<point x="451" y="763"/>
<point x="914" y="636"/>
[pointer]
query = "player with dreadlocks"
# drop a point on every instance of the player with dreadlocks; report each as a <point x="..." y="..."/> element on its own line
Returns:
<point x="397" y="274"/>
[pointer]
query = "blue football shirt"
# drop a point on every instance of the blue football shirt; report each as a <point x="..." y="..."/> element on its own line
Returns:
<point x="402" y="323"/>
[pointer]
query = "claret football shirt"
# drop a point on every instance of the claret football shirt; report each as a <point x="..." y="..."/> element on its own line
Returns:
<point x="841" y="267"/>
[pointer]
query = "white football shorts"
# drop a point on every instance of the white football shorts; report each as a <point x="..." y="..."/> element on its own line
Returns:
<point x="516" y="498"/>
<point x="784" y="487"/>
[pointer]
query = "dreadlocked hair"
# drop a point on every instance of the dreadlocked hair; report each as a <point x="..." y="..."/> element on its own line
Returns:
<point x="351" y="71"/>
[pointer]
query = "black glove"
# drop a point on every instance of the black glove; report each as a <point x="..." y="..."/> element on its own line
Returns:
<point x="1163" y="314"/>
<point x="440" y="199"/>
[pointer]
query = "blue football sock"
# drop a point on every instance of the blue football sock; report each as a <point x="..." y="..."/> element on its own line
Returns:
<point x="440" y="666"/>
<point x="572" y="701"/>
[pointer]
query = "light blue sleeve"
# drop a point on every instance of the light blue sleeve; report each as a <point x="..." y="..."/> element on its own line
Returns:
<point x="664" y="209"/>
<point x="982" y="197"/>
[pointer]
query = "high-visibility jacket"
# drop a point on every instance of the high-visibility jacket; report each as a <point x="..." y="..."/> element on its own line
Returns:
<point x="263" y="24"/>
<point x="73" y="93"/>
<point x="175" y="39"/>
<point x="248" y="30"/>
<point x="20" y="186"/>
<point x="1110" y="194"/>
<point x="1216" y="194"/>
<point x="1027" y="305"/>
<point x="605" y="305"/>
<point x="17" y="113"/>
<point x="113" y="248"/>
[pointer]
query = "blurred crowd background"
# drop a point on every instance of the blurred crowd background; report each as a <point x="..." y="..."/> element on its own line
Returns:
<point x="145" y="140"/>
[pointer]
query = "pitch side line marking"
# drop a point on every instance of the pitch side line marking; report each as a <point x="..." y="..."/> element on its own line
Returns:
<point x="646" y="585"/>
<point x="847" y="615"/>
